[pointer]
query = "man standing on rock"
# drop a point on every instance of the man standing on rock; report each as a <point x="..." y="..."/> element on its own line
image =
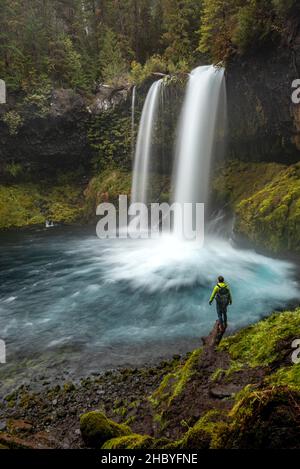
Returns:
<point x="223" y="297"/>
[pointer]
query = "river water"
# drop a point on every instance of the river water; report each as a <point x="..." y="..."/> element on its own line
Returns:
<point x="72" y="304"/>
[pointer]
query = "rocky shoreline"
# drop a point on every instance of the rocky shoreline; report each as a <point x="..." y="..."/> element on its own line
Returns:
<point x="244" y="393"/>
<point x="49" y="418"/>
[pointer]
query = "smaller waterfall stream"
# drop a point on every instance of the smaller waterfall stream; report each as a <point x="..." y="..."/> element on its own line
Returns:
<point x="133" y="119"/>
<point x="144" y="145"/>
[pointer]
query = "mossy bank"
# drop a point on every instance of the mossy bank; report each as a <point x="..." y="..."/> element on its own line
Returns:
<point x="265" y="201"/>
<point x="243" y="394"/>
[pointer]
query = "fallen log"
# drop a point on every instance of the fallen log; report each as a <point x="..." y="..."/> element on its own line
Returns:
<point x="215" y="337"/>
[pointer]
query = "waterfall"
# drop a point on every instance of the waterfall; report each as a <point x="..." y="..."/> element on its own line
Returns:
<point x="144" y="145"/>
<point x="196" y="139"/>
<point x="133" y="119"/>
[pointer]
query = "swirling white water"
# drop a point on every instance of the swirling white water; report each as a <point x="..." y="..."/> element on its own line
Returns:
<point x="71" y="301"/>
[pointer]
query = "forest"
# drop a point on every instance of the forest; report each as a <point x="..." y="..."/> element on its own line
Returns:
<point x="79" y="43"/>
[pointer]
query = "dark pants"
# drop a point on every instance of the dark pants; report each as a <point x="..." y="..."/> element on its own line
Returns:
<point x="222" y="314"/>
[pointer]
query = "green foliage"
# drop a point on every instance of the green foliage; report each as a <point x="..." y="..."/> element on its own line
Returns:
<point x="39" y="94"/>
<point x="217" y="24"/>
<point x="76" y="43"/>
<point x="112" y="64"/>
<point x="181" y="24"/>
<point x="31" y="204"/>
<point x="13" y="120"/>
<point x="110" y="135"/>
<point x="106" y="187"/>
<point x="157" y="64"/>
<point x="253" y="25"/>
<point x="68" y="63"/>
<point x="257" y="345"/>
<point x="235" y="26"/>
<point x="140" y="73"/>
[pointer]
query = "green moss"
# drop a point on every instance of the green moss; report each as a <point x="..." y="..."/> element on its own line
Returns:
<point x="236" y="181"/>
<point x="256" y="345"/>
<point x="136" y="441"/>
<point x="262" y="418"/>
<point x="271" y="217"/>
<point x="32" y="204"/>
<point x="205" y="433"/>
<point x="14" y="121"/>
<point x="235" y="366"/>
<point x="133" y="441"/>
<point x="108" y="186"/>
<point x="174" y="383"/>
<point x="96" y="429"/>
<point x="266" y="200"/>
<point x="287" y="376"/>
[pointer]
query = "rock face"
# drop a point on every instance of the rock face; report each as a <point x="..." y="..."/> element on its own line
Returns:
<point x="56" y="138"/>
<point x="264" y="124"/>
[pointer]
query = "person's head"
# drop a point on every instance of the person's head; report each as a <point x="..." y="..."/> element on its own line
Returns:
<point x="220" y="279"/>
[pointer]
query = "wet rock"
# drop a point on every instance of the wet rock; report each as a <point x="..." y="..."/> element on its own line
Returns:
<point x="221" y="392"/>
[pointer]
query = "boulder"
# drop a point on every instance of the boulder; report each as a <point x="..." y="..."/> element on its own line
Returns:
<point x="96" y="429"/>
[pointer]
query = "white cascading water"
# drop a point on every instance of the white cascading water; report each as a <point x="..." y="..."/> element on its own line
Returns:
<point x="144" y="145"/>
<point x="196" y="138"/>
<point x="133" y="118"/>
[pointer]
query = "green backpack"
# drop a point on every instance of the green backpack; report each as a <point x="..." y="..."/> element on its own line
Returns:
<point x="223" y="296"/>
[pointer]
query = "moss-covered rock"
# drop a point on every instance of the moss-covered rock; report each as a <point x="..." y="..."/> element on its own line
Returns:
<point x="133" y="441"/>
<point x="263" y="419"/>
<point x="235" y="180"/>
<point x="96" y="429"/>
<point x="205" y="433"/>
<point x="265" y="198"/>
<point x="258" y="344"/>
<point x="271" y="217"/>
<point x="32" y="204"/>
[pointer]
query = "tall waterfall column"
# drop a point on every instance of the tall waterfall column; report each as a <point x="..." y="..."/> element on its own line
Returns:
<point x="195" y="143"/>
